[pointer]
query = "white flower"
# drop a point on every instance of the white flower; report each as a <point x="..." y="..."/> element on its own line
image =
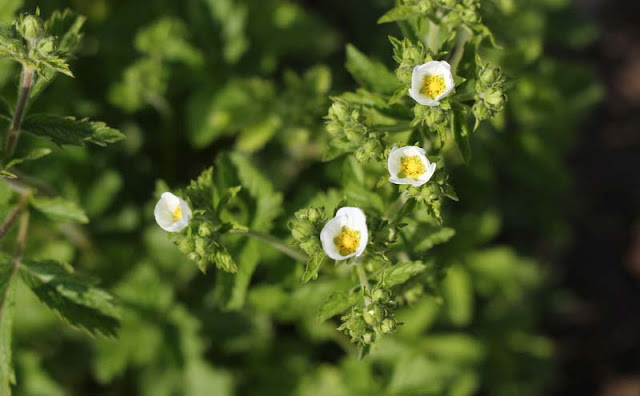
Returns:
<point x="172" y="213"/>
<point x="409" y="165"/>
<point x="346" y="235"/>
<point x="431" y="82"/>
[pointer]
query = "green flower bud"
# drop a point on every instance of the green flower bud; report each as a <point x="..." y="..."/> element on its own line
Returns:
<point x="186" y="246"/>
<point x="373" y="314"/>
<point x="495" y="99"/>
<point x="489" y="75"/>
<point x="368" y="338"/>
<point x="46" y="46"/>
<point x="193" y="256"/>
<point x="201" y="246"/>
<point x="205" y="230"/>
<point x="388" y="326"/>
<point x="31" y="28"/>
<point x="378" y="295"/>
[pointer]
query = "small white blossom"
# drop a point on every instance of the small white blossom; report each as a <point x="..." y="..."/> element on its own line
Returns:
<point x="431" y="82"/>
<point x="172" y="213"/>
<point x="409" y="165"/>
<point x="346" y="235"/>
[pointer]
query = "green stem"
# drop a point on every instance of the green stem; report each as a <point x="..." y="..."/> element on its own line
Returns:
<point x="364" y="282"/>
<point x="13" y="216"/>
<point x="462" y="37"/>
<point x="396" y="206"/>
<point x="28" y="75"/>
<point x="20" y="242"/>
<point x="275" y="243"/>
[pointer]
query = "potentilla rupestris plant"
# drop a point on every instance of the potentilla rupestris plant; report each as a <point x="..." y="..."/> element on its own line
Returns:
<point x="441" y="90"/>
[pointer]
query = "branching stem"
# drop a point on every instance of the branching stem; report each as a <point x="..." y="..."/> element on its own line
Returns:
<point x="13" y="216"/>
<point x="28" y="76"/>
<point x="275" y="243"/>
<point x="364" y="282"/>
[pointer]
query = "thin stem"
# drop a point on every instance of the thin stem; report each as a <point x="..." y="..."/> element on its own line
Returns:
<point x="462" y="37"/>
<point x="28" y="75"/>
<point x="275" y="243"/>
<point x="364" y="282"/>
<point x="13" y="216"/>
<point x="20" y="242"/>
<point x="396" y="206"/>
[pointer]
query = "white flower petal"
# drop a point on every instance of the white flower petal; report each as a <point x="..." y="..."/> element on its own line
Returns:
<point x="440" y="68"/>
<point x="354" y="219"/>
<point x="394" y="165"/>
<point x="165" y="208"/>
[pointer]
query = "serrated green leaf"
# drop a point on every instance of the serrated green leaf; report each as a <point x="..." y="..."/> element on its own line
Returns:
<point x="337" y="303"/>
<point x="372" y="75"/>
<point x="433" y="236"/>
<point x="71" y="131"/>
<point x="59" y="209"/>
<point x="75" y="299"/>
<point x="396" y="14"/>
<point x="313" y="266"/>
<point x="401" y="272"/>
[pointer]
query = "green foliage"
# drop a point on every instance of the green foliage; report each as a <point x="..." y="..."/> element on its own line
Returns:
<point x="74" y="298"/>
<point x="434" y="304"/>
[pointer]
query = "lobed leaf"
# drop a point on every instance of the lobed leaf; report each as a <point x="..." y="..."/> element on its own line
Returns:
<point x="74" y="298"/>
<point x="70" y="131"/>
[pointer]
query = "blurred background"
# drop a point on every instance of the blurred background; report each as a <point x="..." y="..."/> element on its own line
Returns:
<point x="543" y="292"/>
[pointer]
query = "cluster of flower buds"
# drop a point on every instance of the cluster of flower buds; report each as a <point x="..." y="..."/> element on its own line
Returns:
<point x="489" y="96"/>
<point x="364" y="322"/>
<point x="305" y="229"/>
<point x="347" y="126"/>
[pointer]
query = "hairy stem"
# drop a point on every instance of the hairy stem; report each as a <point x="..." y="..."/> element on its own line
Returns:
<point x="462" y="37"/>
<point x="275" y="243"/>
<point x="13" y="215"/>
<point x="28" y="75"/>
<point x="364" y="282"/>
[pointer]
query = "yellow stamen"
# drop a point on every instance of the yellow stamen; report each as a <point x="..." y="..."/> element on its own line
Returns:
<point x="177" y="213"/>
<point x="412" y="167"/>
<point x="433" y="86"/>
<point x="348" y="241"/>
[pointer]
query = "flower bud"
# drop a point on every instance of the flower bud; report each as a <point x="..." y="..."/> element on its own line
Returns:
<point x="205" y="230"/>
<point x="388" y="326"/>
<point x="373" y="314"/>
<point x="368" y="338"/>
<point x="46" y="46"/>
<point x="201" y="246"/>
<point x="186" y="246"/>
<point x="31" y="28"/>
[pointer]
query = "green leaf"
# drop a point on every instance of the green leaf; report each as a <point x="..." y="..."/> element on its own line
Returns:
<point x="458" y="296"/>
<point x="396" y="14"/>
<point x="31" y="156"/>
<point x="401" y="272"/>
<point x="8" y="9"/>
<point x="313" y="266"/>
<point x="71" y="131"/>
<point x="166" y="39"/>
<point x="337" y="303"/>
<point x="433" y="235"/>
<point x="461" y="133"/>
<point x="7" y="175"/>
<point x="372" y="75"/>
<point x="59" y="209"/>
<point x="76" y="299"/>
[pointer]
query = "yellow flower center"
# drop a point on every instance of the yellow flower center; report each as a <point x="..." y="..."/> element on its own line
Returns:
<point x="347" y="241"/>
<point x="433" y="86"/>
<point x="177" y="213"/>
<point x="412" y="166"/>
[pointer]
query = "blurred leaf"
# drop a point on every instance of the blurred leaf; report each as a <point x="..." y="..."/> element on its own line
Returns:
<point x="8" y="8"/>
<point x="68" y="130"/>
<point x="166" y="38"/>
<point x="74" y="298"/>
<point x="232" y="16"/>
<point x="432" y="235"/>
<point x="59" y="209"/>
<point x="458" y="295"/>
<point x="372" y="75"/>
